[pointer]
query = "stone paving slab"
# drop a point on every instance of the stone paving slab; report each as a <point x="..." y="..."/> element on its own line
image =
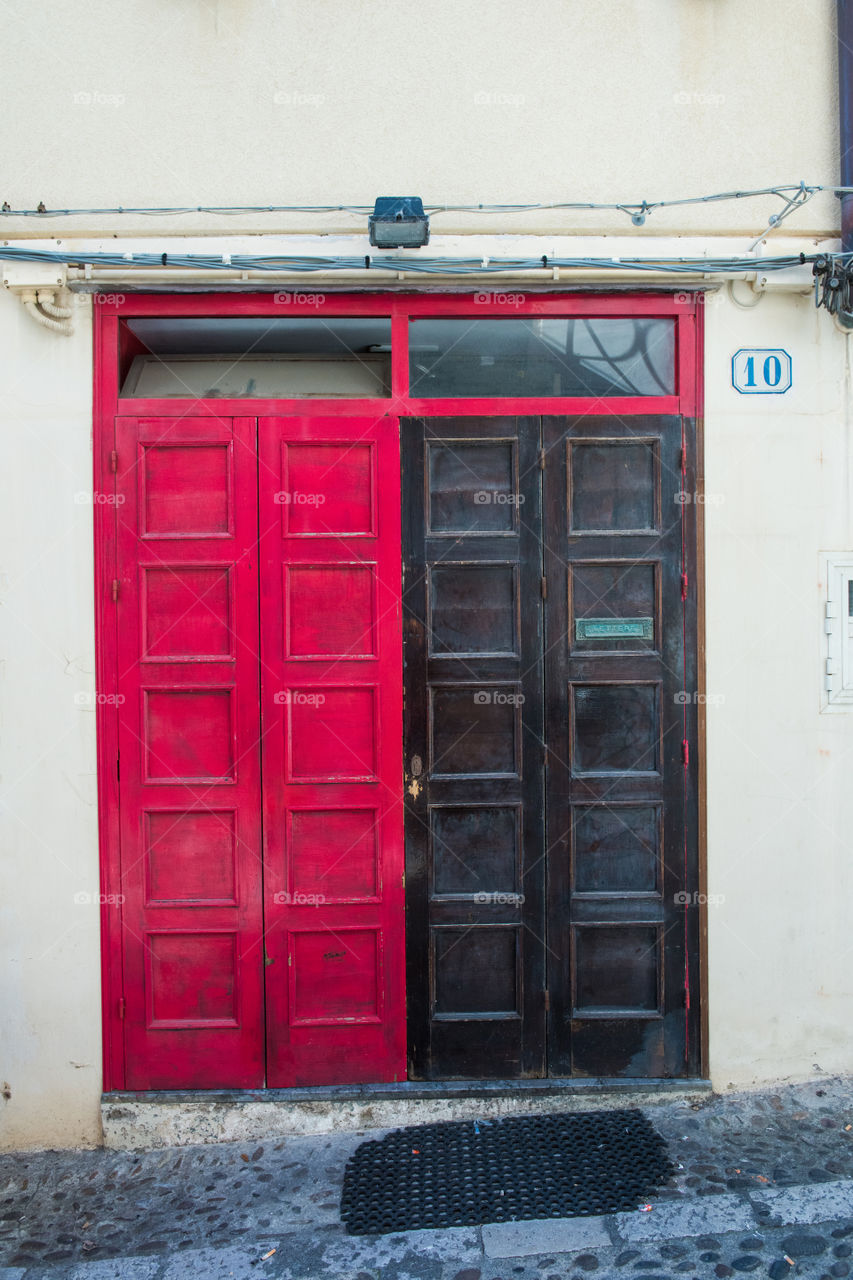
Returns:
<point x="544" y="1235"/>
<point x="454" y="1244"/>
<point x="112" y="1269"/>
<point x="234" y="1263"/>
<point x="697" y="1217"/>
<point x="449" y="1243"/>
<point x="807" y="1204"/>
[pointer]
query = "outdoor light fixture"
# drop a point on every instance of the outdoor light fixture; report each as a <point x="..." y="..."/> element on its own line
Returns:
<point x="398" y="222"/>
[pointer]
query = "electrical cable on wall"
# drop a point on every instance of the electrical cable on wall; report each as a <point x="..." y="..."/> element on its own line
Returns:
<point x="833" y="282"/>
<point x="425" y="266"/>
<point x="793" y="195"/>
<point x="833" y="273"/>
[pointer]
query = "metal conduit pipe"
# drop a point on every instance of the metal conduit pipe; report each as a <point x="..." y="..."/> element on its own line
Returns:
<point x="845" y="130"/>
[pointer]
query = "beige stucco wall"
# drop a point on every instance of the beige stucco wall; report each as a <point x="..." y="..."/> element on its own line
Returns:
<point x="459" y="101"/>
<point x="779" y="477"/>
<point x="50" y="1044"/>
<point x="256" y="101"/>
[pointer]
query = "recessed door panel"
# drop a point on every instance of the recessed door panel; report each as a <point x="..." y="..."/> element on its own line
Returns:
<point x="616" y="728"/>
<point x="186" y="487"/>
<point x="187" y="612"/>
<point x="613" y="606"/>
<point x="472" y="846"/>
<point x="191" y="857"/>
<point x="473" y="487"/>
<point x="475" y="973"/>
<point x="330" y="611"/>
<point x="612" y="485"/>
<point x="615" y="848"/>
<point x="473" y="609"/>
<point x="333" y="854"/>
<point x="328" y="486"/>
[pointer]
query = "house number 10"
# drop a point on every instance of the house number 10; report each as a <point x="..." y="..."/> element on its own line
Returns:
<point x="758" y="371"/>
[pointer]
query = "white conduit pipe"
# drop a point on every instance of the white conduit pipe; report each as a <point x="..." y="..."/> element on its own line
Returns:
<point x="58" y="326"/>
<point x="380" y="277"/>
<point x="30" y="301"/>
<point x="51" y="308"/>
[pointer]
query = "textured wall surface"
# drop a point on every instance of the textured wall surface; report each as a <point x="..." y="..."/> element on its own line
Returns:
<point x="50" y="1042"/>
<point x="338" y="101"/>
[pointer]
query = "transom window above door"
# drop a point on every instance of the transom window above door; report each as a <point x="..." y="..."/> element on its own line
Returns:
<point x="211" y="357"/>
<point x="303" y="345"/>
<point x="542" y="356"/>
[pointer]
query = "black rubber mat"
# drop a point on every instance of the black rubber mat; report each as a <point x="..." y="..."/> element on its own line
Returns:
<point x="473" y="1171"/>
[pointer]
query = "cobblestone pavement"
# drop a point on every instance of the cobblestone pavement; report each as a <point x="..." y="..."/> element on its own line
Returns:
<point x="764" y="1184"/>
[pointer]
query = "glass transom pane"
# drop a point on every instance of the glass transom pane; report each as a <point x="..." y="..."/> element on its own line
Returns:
<point x="542" y="356"/>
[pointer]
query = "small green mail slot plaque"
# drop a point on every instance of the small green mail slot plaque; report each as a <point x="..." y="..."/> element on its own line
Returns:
<point x="614" y="629"/>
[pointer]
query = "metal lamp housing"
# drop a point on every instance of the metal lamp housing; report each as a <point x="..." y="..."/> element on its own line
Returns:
<point x="398" y="222"/>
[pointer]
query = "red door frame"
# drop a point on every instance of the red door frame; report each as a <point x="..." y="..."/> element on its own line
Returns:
<point x="686" y="309"/>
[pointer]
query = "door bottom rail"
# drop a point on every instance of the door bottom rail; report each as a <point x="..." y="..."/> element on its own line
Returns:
<point x="185" y="1117"/>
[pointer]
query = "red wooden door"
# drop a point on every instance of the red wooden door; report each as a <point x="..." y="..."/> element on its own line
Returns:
<point x="189" y="756"/>
<point x="332" y="720"/>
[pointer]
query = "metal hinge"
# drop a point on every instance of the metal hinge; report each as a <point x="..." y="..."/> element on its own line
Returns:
<point x="544" y="587"/>
<point x="682" y="459"/>
<point x="114" y="462"/>
<point x="684" y="586"/>
<point x="118" y="766"/>
<point x="115" y="590"/>
<point x="547" y="995"/>
<point x="122" y="1006"/>
<point x="685" y="753"/>
<point x="830" y="614"/>
<point x="541" y="459"/>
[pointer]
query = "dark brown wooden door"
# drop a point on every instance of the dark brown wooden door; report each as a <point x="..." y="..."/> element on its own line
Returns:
<point x="548" y="599"/>
<point x="473" y="747"/>
<point x="620" y="679"/>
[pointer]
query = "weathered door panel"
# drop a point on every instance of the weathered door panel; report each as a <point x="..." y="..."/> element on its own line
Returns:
<point x="473" y="717"/>
<point x="619" y="669"/>
<point x="611" y="678"/>
<point x="332" y="750"/>
<point x="189" y="763"/>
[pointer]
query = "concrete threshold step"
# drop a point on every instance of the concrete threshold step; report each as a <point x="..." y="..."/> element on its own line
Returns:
<point x="184" y="1117"/>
